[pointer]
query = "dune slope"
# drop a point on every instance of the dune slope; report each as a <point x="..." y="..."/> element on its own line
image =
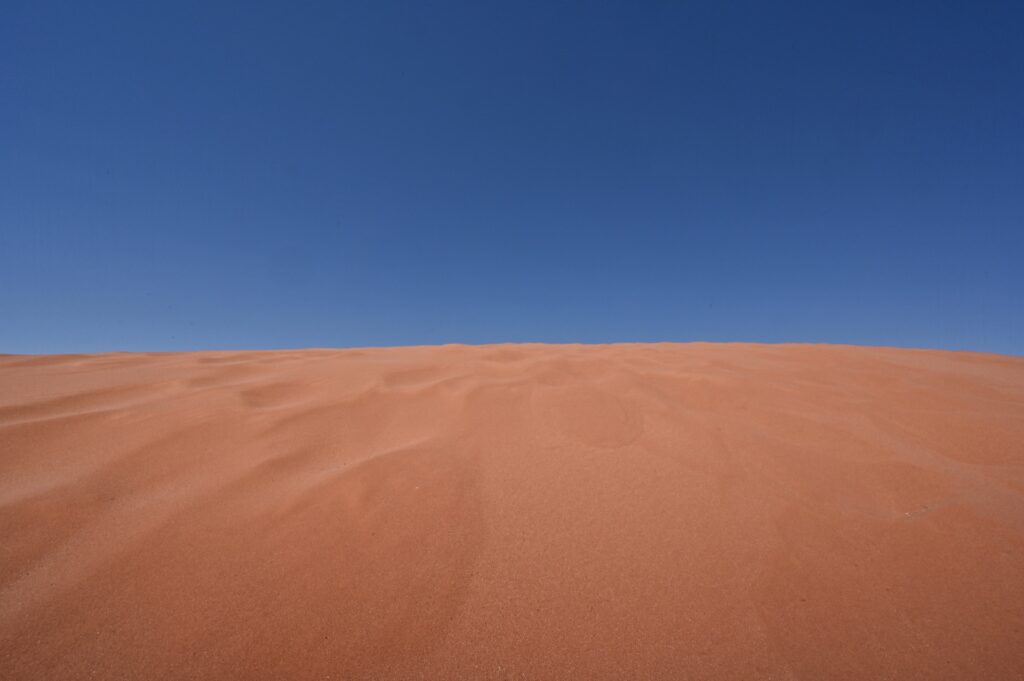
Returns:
<point x="662" y="511"/>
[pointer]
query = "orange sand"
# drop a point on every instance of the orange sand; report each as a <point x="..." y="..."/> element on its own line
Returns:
<point x="513" y="512"/>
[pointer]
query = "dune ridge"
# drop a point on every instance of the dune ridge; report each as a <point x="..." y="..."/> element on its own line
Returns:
<point x="699" y="511"/>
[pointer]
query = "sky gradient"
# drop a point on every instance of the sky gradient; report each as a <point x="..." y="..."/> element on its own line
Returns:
<point x="207" y="175"/>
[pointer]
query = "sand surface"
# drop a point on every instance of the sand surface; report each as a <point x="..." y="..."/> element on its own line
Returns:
<point x="660" y="511"/>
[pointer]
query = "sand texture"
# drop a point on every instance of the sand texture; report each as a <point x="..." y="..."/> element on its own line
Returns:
<point x="662" y="511"/>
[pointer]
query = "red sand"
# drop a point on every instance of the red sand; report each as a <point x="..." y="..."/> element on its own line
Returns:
<point x="513" y="512"/>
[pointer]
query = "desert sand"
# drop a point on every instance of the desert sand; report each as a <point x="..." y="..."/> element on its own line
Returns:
<point x="662" y="511"/>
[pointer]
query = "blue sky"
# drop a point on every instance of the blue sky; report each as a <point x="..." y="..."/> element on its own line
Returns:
<point x="251" y="175"/>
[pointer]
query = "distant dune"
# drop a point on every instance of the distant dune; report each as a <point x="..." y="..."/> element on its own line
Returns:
<point x="664" y="511"/>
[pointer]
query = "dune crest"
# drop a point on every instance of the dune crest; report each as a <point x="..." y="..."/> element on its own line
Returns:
<point x="702" y="511"/>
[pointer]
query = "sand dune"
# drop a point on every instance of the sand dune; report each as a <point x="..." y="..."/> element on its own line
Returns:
<point x="658" y="511"/>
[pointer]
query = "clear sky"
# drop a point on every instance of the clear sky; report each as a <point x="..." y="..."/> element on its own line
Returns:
<point x="188" y="175"/>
